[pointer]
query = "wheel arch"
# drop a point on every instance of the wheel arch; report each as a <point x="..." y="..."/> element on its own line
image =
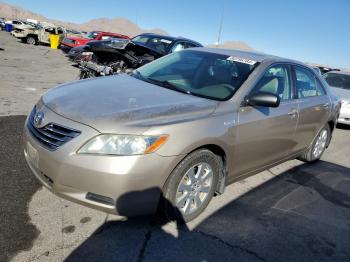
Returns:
<point x="32" y="35"/>
<point x="331" y="125"/>
<point x="217" y="150"/>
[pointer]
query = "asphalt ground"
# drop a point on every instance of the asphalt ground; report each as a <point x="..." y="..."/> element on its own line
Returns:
<point x="293" y="212"/>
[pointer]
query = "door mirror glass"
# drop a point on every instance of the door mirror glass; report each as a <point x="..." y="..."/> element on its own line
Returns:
<point x="265" y="99"/>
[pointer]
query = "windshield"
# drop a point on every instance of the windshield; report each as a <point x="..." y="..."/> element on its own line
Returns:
<point x="338" y="80"/>
<point x="203" y="74"/>
<point x="157" y="43"/>
<point x="91" y="35"/>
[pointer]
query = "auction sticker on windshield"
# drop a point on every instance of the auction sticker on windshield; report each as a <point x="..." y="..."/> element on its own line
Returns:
<point x="241" y="60"/>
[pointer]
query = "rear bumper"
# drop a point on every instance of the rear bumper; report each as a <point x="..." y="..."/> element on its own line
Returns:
<point x="131" y="185"/>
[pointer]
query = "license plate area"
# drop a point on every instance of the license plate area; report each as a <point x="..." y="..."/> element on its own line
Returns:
<point x="33" y="155"/>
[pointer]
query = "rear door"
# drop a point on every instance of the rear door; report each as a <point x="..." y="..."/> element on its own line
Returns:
<point x="266" y="135"/>
<point x="314" y="106"/>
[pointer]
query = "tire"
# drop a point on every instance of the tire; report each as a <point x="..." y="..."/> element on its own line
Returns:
<point x="318" y="146"/>
<point x="198" y="175"/>
<point x="30" y="40"/>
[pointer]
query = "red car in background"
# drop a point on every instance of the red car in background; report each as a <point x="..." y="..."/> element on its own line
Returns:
<point x="74" y="41"/>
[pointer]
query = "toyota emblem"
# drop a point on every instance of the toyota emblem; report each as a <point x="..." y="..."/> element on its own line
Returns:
<point x="38" y="118"/>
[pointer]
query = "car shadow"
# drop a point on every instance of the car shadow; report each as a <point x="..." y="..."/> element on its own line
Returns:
<point x="17" y="186"/>
<point x="301" y="215"/>
<point x="344" y="127"/>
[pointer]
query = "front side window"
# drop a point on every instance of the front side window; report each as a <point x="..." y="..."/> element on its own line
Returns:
<point x="306" y="83"/>
<point x="276" y="80"/>
<point x="203" y="74"/>
<point x="338" y="80"/>
<point x="50" y="30"/>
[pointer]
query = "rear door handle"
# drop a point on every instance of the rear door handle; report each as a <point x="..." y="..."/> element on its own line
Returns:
<point x="326" y="105"/>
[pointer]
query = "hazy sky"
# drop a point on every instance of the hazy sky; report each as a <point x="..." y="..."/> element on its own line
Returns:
<point x="307" y="30"/>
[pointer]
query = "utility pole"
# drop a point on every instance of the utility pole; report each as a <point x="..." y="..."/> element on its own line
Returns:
<point x="220" y="26"/>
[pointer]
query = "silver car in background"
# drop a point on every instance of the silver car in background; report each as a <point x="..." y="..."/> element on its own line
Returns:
<point x="340" y="83"/>
<point x="178" y="130"/>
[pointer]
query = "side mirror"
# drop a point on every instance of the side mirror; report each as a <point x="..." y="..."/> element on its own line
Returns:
<point x="263" y="99"/>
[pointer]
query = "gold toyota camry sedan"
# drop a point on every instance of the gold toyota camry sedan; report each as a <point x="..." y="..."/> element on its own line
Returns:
<point x="178" y="130"/>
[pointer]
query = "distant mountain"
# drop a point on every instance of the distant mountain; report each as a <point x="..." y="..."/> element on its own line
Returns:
<point x="234" y="45"/>
<point x="117" y="25"/>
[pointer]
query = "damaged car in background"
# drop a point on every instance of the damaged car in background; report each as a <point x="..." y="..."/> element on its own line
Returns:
<point x="34" y="34"/>
<point x="74" y="41"/>
<point x="77" y="54"/>
<point x="126" y="55"/>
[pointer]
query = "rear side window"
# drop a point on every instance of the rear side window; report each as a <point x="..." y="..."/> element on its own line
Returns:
<point x="190" y="45"/>
<point x="276" y="80"/>
<point x="338" y="80"/>
<point x="306" y="83"/>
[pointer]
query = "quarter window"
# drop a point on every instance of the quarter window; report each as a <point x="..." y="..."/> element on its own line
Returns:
<point x="276" y="80"/>
<point x="306" y="83"/>
<point x="178" y="47"/>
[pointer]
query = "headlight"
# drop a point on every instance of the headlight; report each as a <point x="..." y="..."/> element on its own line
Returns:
<point x="109" y="144"/>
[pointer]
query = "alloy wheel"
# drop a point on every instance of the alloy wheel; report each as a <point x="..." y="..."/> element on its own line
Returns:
<point x="194" y="188"/>
<point x="320" y="144"/>
<point x="31" y="41"/>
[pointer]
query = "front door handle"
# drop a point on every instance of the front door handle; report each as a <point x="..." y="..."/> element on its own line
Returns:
<point x="293" y="113"/>
<point x="326" y="105"/>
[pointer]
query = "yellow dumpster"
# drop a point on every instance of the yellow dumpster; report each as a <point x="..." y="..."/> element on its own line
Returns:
<point x="54" y="41"/>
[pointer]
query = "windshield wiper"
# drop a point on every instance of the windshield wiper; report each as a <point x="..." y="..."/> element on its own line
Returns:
<point x="138" y="75"/>
<point x="167" y="84"/>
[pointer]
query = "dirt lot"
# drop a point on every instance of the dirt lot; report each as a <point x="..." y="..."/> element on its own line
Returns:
<point x="293" y="212"/>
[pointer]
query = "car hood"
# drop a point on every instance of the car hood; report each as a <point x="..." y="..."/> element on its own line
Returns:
<point x="124" y="104"/>
<point x="25" y="27"/>
<point x="80" y="39"/>
<point x="342" y="93"/>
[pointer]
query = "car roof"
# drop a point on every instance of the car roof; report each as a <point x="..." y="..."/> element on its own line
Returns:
<point x="251" y="55"/>
<point x="339" y="72"/>
<point x="172" y="38"/>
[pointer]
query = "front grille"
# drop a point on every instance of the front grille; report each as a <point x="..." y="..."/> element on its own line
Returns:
<point x="52" y="135"/>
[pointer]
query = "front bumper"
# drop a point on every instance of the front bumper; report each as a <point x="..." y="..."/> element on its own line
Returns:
<point x="18" y="34"/>
<point x="133" y="184"/>
<point x="65" y="48"/>
<point x="344" y="116"/>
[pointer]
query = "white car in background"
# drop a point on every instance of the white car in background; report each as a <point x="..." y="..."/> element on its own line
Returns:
<point x="339" y="81"/>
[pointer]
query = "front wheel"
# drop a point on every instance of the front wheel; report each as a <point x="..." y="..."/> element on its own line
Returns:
<point x="318" y="147"/>
<point x="31" y="40"/>
<point x="191" y="186"/>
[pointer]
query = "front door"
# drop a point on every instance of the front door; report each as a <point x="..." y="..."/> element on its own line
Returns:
<point x="266" y="135"/>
